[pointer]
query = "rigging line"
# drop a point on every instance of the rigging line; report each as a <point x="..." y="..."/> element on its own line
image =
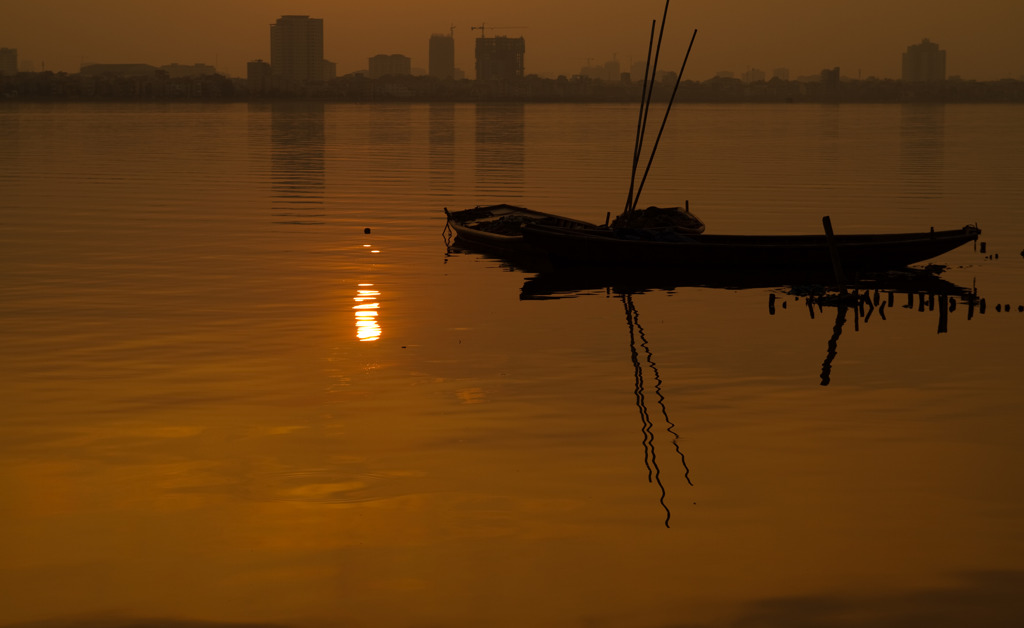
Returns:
<point x="638" y="393"/>
<point x="635" y="315"/>
<point x="650" y="89"/>
<point x="661" y="398"/>
<point x="638" y="140"/>
<point x="657" y="139"/>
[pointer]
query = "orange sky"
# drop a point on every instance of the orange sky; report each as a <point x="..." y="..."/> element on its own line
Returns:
<point x="863" y="37"/>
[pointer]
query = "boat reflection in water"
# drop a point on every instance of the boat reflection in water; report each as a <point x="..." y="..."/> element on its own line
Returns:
<point x="637" y="343"/>
<point x="922" y="288"/>
<point x="872" y="295"/>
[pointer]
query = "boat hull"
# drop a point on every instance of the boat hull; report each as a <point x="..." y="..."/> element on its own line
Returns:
<point x="603" y="247"/>
<point x="497" y="229"/>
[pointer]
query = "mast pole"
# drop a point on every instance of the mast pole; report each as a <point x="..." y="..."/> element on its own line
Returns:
<point x="657" y="139"/>
<point x="650" y="91"/>
<point x="639" y="121"/>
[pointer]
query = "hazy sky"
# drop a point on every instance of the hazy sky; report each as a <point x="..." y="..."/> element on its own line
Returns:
<point x="983" y="38"/>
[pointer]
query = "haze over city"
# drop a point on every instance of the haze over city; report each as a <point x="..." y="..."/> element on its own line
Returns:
<point x="863" y="38"/>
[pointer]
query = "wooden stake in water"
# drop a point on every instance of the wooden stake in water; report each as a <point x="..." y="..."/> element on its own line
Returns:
<point x="833" y="250"/>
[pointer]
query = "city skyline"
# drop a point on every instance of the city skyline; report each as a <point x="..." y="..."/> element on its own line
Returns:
<point x="736" y="36"/>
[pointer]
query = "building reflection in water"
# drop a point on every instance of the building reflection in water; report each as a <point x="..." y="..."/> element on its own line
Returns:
<point x="923" y="149"/>
<point x="297" y="159"/>
<point x="390" y="125"/>
<point x="10" y="140"/>
<point x="442" y="145"/>
<point x="500" y="134"/>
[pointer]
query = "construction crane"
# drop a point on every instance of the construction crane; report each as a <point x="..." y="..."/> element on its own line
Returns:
<point x="483" y="26"/>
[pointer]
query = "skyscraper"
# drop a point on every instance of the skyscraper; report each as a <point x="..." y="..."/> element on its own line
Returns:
<point x="8" y="61"/>
<point x="924" y="62"/>
<point x="442" y="56"/>
<point x="389" y="65"/>
<point x="499" y="58"/>
<point x="258" y="77"/>
<point x="297" y="50"/>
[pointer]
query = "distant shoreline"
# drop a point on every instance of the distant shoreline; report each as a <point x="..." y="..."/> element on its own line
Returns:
<point x="62" y="87"/>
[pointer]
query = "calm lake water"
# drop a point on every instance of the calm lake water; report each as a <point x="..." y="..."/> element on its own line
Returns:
<point x="225" y="402"/>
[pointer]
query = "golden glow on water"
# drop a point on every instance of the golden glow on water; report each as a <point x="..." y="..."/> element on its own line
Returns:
<point x="189" y="431"/>
<point x="367" y="312"/>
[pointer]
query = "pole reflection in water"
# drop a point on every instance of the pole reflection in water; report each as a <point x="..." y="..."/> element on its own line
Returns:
<point x="636" y="331"/>
<point x="863" y="305"/>
<point x="833" y="345"/>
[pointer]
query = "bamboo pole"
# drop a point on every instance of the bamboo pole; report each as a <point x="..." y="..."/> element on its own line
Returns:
<point x="638" y="140"/>
<point x="833" y="250"/>
<point x="657" y="139"/>
<point x="646" y="104"/>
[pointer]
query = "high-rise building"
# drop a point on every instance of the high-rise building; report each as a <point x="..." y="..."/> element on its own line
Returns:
<point x="830" y="78"/>
<point x="297" y="50"/>
<point x="8" y="61"/>
<point x="389" y="65"/>
<point x="924" y="62"/>
<point x="753" y="75"/>
<point x="330" y="70"/>
<point x="258" y="77"/>
<point x="608" y="71"/>
<point x="499" y="58"/>
<point x="442" y="56"/>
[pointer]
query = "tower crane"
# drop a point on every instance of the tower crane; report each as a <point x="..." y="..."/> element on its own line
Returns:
<point x="483" y="26"/>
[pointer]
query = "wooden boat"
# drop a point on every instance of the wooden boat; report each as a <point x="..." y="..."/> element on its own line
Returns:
<point x="672" y="238"/>
<point x="498" y="229"/>
<point x="671" y="249"/>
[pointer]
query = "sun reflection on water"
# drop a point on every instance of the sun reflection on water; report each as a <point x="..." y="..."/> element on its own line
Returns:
<point x="367" y="311"/>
